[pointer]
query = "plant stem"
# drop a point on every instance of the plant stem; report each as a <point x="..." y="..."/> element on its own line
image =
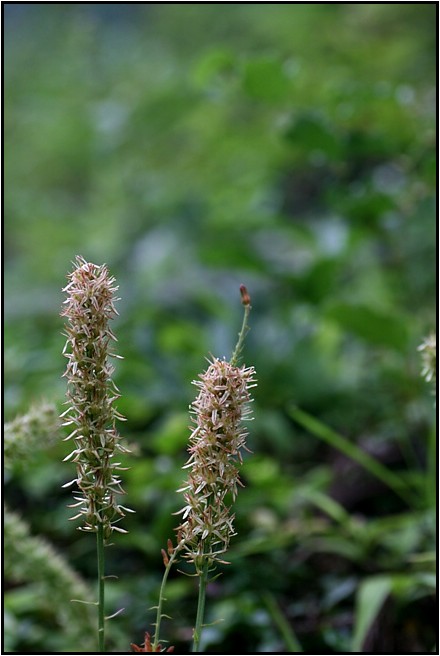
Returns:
<point x="290" y="639"/>
<point x="241" y="336"/>
<point x="101" y="583"/>
<point x="162" y="598"/>
<point x="203" y="580"/>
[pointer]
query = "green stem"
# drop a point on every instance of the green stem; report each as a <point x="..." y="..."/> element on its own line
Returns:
<point x="241" y="336"/>
<point x="101" y="583"/>
<point x="290" y="639"/>
<point x="162" y="598"/>
<point x="203" y="580"/>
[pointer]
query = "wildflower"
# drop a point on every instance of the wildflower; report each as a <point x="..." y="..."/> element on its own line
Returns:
<point x="216" y="441"/>
<point x="91" y="394"/>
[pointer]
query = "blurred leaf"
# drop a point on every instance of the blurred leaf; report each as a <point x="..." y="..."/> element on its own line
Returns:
<point x="328" y="505"/>
<point x="264" y="78"/>
<point x="212" y="65"/>
<point x="172" y="436"/>
<point x="351" y="450"/>
<point x="376" y="327"/>
<point x="310" y="133"/>
<point x="369" y="600"/>
<point x="290" y="640"/>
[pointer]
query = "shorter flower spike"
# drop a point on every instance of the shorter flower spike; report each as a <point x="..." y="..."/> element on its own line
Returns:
<point x="216" y="441"/>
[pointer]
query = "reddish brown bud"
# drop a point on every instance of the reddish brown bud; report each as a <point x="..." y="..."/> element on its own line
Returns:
<point x="170" y="547"/>
<point x="245" y="297"/>
<point x="166" y="560"/>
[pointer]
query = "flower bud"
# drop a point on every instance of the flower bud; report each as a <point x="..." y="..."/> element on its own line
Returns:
<point x="245" y="296"/>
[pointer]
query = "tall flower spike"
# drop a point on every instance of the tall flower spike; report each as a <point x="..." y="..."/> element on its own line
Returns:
<point x="216" y="441"/>
<point x="91" y="395"/>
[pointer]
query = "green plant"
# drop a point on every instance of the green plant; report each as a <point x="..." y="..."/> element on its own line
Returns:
<point x="428" y="349"/>
<point x="418" y="579"/>
<point x="26" y="434"/>
<point x="216" y="442"/>
<point x="31" y="559"/>
<point x="91" y="394"/>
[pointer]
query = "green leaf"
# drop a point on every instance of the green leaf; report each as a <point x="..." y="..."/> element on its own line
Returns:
<point x="173" y="434"/>
<point x="214" y="64"/>
<point x="285" y="628"/>
<point x="328" y="505"/>
<point x="310" y="133"/>
<point x="337" y="441"/>
<point x="370" y="599"/>
<point x="374" y="326"/>
<point x="265" y="79"/>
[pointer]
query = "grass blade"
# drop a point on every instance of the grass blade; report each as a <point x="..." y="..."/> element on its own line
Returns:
<point x="337" y="441"/>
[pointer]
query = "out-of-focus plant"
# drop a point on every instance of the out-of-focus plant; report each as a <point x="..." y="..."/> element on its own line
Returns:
<point x="31" y="559"/>
<point x="27" y="434"/>
<point x="428" y="349"/>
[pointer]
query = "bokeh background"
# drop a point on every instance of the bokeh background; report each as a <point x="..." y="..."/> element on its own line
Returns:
<point x="195" y="147"/>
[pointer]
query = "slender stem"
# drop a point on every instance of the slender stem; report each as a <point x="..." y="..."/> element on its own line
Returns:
<point x="290" y="639"/>
<point x="162" y="598"/>
<point x="241" y="336"/>
<point x="203" y="580"/>
<point x="101" y="584"/>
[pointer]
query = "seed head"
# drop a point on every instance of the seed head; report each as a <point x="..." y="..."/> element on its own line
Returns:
<point x="216" y="441"/>
<point x="91" y="394"/>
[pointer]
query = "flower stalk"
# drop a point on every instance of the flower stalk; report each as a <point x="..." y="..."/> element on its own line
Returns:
<point x="216" y="443"/>
<point x="91" y="394"/>
<point x="168" y="562"/>
<point x="203" y="581"/>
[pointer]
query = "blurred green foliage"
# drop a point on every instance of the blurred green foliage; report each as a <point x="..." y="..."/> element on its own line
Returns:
<point x="194" y="147"/>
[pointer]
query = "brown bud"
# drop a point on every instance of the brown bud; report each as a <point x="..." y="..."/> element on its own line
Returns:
<point x="170" y="547"/>
<point x="166" y="560"/>
<point x="245" y="297"/>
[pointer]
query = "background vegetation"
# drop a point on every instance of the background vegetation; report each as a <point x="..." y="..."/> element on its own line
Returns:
<point x="194" y="147"/>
